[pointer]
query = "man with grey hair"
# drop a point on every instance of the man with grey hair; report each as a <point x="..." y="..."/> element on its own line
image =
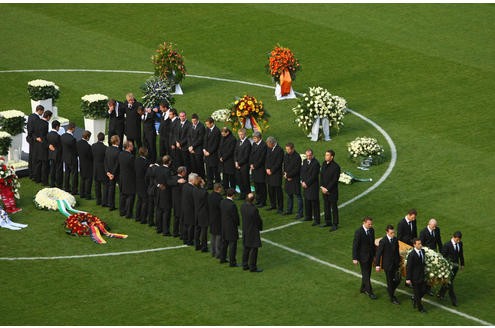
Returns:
<point x="241" y="158"/>
<point x="257" y="166"/>
<point x="132" y="120"/>
<point x="430" y="236"/>
<point x="273" y="167"/>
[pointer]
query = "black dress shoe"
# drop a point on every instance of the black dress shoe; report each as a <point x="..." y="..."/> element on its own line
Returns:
<point x="325" y="225"/>
<point x="245" y="268"/>
<point x="395" y="301"/>
<point x="430" y="293"/>
<point x="315" y="224"/>
<point x="422" y="310"/>
<point x="333" y="228"/>
<point x="112" y="209"/>
<point x="257" y="270"/>
<point x="371" y="295"/>
<point x="223" y="262"/>
<point x="234" y="265"/>
<point x="287" y="213"/>
<point x="454" y="303"/>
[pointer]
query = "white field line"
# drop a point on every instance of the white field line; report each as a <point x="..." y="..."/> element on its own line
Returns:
<point x="393" y="160"/>
<point x="376" y="282"/>
<point x="281" y="227"/>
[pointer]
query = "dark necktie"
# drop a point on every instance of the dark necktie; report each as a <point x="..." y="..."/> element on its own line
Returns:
<point x="421" y="256"/>
<point x="456" y="248"/>
<point x="410" y="225"/>
<point x="433" y="233"/>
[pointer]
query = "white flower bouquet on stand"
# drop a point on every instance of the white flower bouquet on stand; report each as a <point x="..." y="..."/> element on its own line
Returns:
<point x="366" y="148"/>
<point x="94" y="109"/>
<point x="43" y="93"/>
<point x="13" y="122"/>
<point x="221" y="115"/>
<point x="319" y="109"/>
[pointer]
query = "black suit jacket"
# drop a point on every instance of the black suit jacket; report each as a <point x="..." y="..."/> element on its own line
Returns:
<point x="69" y="150"/>
<point x="196" y="137"/>
<point x="53" y="138"/>
<point x="388" y="253"/>
<point x="177" y="195"/>
<point x="330" y="173"/>
<point x="99" y="173"/>
<point x="174" y="131"/>
<point x="257" y="159"/>
<point x="201" y="207"/>
<point x="150" y="179"/>
<point x="431" y="241"/>
<point x="211" y="145"/>
<point x="112" y="161"/>
<point x="149" y="123"/>
<point x="164" y="177"/>
<point x="292" y="169"/>
<point x="251" y="225"/>
<point x="32" y="119"/>
<point x="116" y="121"/>
<point x="187" y="206"/>
<point x="214" y="200"/>
<point x="310" y="174"/>
<point x="226" y="153"/>
<point x="132" y="121"/>
<point x="85" y="158"/>
<point x="274" y="160"/>
<point x="141" y="166"/>
<point x="449" y="253"/>
<point x="363" y="246"/>
<point x="242" y="152"/>
<point x="164" y="129"/>
<point x="127" y="182"/>
<point x="230" y="220"/>
<point x="404" y="232"/>
<point x="40" y="149"/>
<point x="183" y="134"/>
<point x="415" y="268"/>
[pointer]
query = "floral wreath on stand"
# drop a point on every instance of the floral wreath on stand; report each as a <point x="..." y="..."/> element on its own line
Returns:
<point x="247" y="112"/>
<point x="9" y="187"/>
<point x="156" y="90"/>
<point x="282" y="66"/>
<point x="169" y="63"/>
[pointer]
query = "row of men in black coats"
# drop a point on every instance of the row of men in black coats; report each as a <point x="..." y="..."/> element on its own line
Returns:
<point x="388" y="257"/>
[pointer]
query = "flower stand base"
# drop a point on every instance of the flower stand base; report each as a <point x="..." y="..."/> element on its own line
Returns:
<point x="95" y="127"/>
<point x="15" y="149"/>
<point x="278" y="93"/>
<point x="46" y="103"/>
<point x="178" y="90"/>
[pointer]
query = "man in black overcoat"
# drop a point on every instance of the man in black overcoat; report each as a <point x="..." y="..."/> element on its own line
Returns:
<point x="230" y="225"/>
<point x="415" y="273"/>
<point x="273" y="165"/>
<point x="149" y="133"/>
<point x="55" y="163"/>
<point x="141" y="166"/>
<point x="195" y="141"/>
<point x="127" y="181"/>
<point x="430" y="236"/>
<point x="214" y="213"/>
<point x="453" y="250"/>
<point x="330" y="173"/>
<point x="187" y="210"/>
<point x="112" y="169"/>
<point x="40" y="149"/>
<point x="363" y="251"/>
<point x="210" y="152"/>
<point x="251" y="239"/>
<point x="85" y="165"/>
<point x="226" y="158"/>
<point x="69" y="157"/>
<point x="181" y="142"/>
<point x="202" y="216"/>
<point x="116" y="121"/>
<point x="164" y="129"/>
<point x="292" y="176"/>
<point x="32" y="119"/>
<point x="99" y="174"/>
<point x="257" y="166"/>
<point x="241" y="158"/>
<point x="133" y="120"/>
<point x="310" y="174"/>
<point x="179" y="180"/>
<point x="152" y="191"/>
<point x="388" y="258"/>
<point x="173" y="136"/>
<point x="165" y="183"/>
<point x="406" y="229"/>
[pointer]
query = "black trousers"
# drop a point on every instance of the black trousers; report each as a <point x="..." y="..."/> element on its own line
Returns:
<point x="149" y="141"/>
<point x="56" y="173"/>
<point x="419" y="288"/>
<point x="231" y="246"/>
<point x="331" y="210"/>
<point x="71" y="173"/>
<point x="142" y="208"/>
<point x="312" y="210"/>
<point x="197" y="164"/>
<point x="111" y="186"/>
<point x="185" y="159"/>
<point x="228" y="181"/>
<point x="366" y="276"/>
<point x="243" y="180"/>
<point x="276" y="197"/>
<point x="40" y="169"/>
<point x="176" y="158"/>
<point x="450" y="287"/>
<point x="101" y="192"/>
<point x="290" y="204"/>
<point x="177" y="226"/>
<point x="213" y="175"/>
<point x="151" y="210"/>
<point x="116" y="131"/>
<point x="30" y="160"/>
<point x="250" y="258"/>
<point x="164" y="146"/>
<point x="392" y="282"/>
<point x="260" y="189"/>
<point x="201" y="237"/>
<point x="126" y="204"/>
<point x="163" y="220"/>
<point x="85" y="187"/>
<point x="189" y="233"/>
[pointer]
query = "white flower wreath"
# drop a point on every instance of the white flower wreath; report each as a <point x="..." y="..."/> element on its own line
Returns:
<point x="47" y="198"/>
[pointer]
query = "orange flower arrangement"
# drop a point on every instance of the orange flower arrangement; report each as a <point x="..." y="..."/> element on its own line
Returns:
<point x="248" y="110"/>
<point x="282" y="59"/>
